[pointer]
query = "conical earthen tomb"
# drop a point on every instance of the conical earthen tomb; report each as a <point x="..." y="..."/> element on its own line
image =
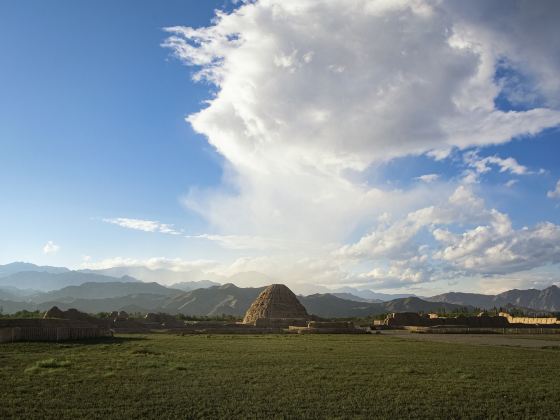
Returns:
<point x="276" y="302"/>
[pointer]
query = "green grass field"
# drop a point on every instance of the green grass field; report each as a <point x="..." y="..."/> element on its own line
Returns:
<point x="310" y="376"/>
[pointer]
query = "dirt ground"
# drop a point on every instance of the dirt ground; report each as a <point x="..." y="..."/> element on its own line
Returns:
<point x="517" y="340"/>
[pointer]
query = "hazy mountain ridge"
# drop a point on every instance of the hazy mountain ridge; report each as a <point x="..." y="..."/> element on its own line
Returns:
<point x="104" y="291"/>
<point x="187" y="280"/>
<point x="45" y="281"/>
<point x="93" y="292"/>
<point x="187" y="286"/>
<point x="330" y="306"/>
<point x="18" y="267"/>
<point x="161" y="276"/>
<point x="227" y="299"/>
<point x="350" y="296"/>
<point x="369" y="294"/>
<point x="19" y="277"/>
<point x="217" y="300"/>
<point x="545" y="300"/>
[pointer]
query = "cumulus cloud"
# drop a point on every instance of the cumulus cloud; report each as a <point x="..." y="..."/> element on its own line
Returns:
<point x="307" y="91"/>
<point x="519" y="34"/>
<point x="555" y="193"/>
<point x="499" y="249"/>
<point x="310" y="96"/>
<point x="143" y="225"/>
<point x="50" y="248"/>
<point x="491" y="247"/>
<point x="395" y="240"/>
<point x="274" y="104"/>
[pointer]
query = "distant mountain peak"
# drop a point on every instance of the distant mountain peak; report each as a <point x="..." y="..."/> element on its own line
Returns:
<point x="20" y="266"/>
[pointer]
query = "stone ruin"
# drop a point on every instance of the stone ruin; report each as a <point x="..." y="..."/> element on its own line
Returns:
<point x="413" y="319"/>
<point x="276" y="306"/>
<point x="72" y="315"/>
<point x="56" y="325"/>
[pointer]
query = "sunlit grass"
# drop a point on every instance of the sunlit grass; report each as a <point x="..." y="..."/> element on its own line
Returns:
<point x="218" y="376"/>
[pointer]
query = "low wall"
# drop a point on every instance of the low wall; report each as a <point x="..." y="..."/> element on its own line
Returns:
<point x="12" y="330"/>
<point x="334" y="328"/>
<point x="481" y="330"/>
<point x="529" y="320"/>
<point x="330" y="324"/>
<point x="403" y="319"/>
<point x="8" y="334"/>
<point x="279" y="322"/>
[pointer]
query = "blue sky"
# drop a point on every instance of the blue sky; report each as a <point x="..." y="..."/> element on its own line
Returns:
<point x="92" y="125"/>
<point x="384" y="147"/>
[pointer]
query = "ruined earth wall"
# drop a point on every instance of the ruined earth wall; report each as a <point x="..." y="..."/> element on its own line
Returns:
<point x="48" y="330"/>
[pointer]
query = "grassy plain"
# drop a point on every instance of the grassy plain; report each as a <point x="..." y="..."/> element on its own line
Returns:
<point x="270" y="376"/>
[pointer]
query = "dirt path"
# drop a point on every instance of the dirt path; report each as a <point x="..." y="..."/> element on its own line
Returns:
<point x="539" y="341"/>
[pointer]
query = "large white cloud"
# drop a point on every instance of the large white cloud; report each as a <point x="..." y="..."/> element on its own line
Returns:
<point x="309" y="90"/>
<point x="309" y="94"/>
<point x="338" y="84"/>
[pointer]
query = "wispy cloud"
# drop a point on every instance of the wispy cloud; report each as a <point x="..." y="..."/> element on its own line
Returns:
<point x="242" y="241"/>
<point x="483" y="165"/>
<point x="155" y="263"/>
<point x="144" y="225"/>
<point x="428" y="178"/>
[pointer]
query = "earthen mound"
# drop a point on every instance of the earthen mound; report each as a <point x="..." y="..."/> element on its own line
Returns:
<point x="54" y="312"/>
<point x="277" y="301"/>
<point x="73" y="315"/>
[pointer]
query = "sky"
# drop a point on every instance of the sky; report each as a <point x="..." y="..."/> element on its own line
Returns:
<point x="405" y="146"/>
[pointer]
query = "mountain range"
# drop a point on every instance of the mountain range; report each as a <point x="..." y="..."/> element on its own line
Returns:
<point x="18" y="267"/>
<point x="46" y="281"/>
<point x="226" y="299"/>
<point x="547" y="299"/>
<point x="41" y="287"/>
